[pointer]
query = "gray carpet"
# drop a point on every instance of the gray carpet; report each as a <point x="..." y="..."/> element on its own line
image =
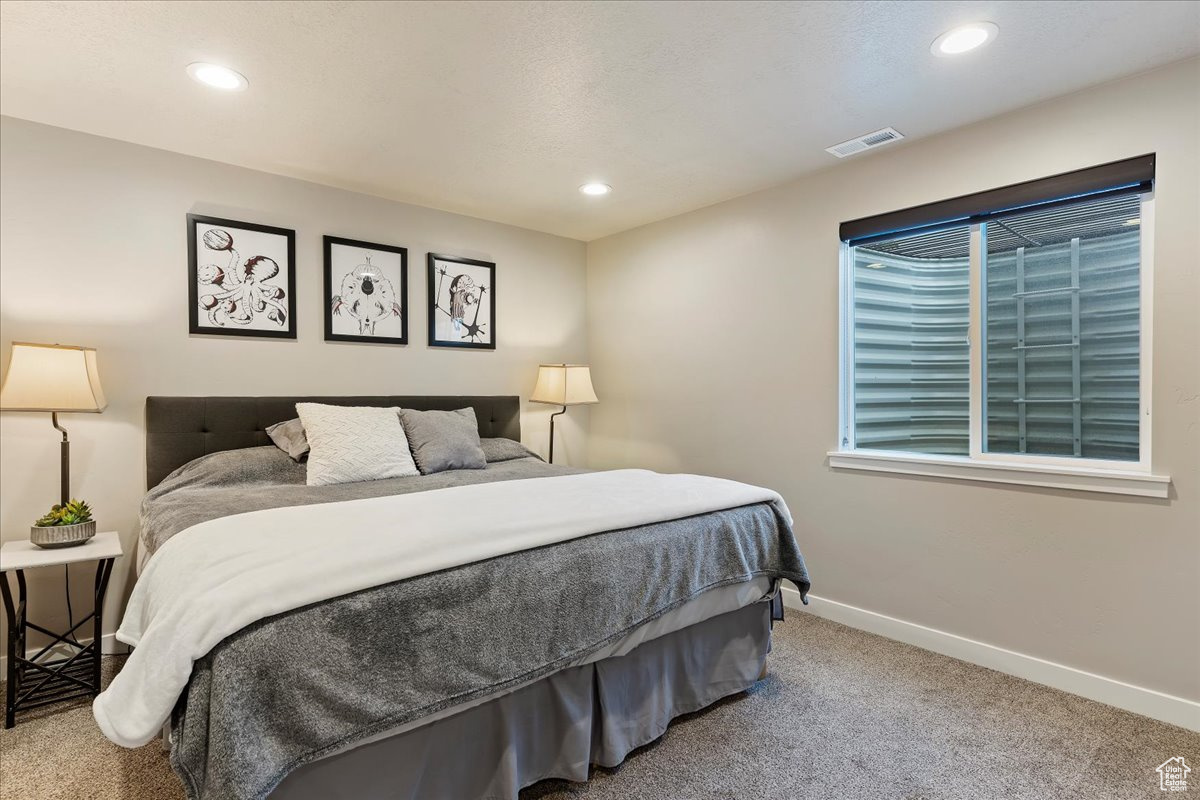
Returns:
<point x="842" y="714"/>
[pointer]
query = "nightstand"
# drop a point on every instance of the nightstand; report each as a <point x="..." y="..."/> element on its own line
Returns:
<point x="41" y="679"/>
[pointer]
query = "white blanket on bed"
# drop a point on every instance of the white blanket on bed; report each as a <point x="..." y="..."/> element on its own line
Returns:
<point x="215" y="578"/>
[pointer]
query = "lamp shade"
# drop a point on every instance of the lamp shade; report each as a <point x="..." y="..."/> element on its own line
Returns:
<point x="52" y="377"/>
<point x="564" y="385"/>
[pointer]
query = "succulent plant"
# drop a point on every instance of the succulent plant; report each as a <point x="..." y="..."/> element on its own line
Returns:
<point x="72" y="513"/>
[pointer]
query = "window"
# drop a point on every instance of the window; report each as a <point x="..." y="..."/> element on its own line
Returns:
<point x="1003" y="336"/>
<point x="911" y="355"/>
<point x="1063" y="340"/>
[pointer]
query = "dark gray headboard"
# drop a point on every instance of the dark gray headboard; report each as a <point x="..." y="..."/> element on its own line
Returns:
<point x="179" y="429"/>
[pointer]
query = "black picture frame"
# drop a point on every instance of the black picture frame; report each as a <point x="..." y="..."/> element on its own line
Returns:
<point x="329" y="301"/>
<point x="435" y="279"/>
<point x="217" y="275"/>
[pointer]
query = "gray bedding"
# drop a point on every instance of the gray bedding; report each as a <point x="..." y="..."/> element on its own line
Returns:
<point x="295" y="687"/>
<point x="256" y="478"/>
<point x="556" y="727"/>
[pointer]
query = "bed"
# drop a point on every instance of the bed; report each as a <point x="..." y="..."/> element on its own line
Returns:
<point x="364" y="665"/>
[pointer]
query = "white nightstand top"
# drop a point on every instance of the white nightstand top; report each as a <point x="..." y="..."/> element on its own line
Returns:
<point x="24" y="554"/>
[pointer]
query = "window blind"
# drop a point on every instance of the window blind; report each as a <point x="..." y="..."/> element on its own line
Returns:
<point x="1105" y="180"/>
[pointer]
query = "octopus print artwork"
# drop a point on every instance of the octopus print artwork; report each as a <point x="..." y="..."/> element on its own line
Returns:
<point x="243" y="280"/>
<point x="462" y="302"/>
<point x="366" y="292"/>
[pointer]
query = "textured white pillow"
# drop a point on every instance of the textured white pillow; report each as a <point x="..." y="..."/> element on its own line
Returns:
<point x="354" y="443"/>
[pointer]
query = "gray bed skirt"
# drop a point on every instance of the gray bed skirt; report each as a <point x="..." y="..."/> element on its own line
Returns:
<point x="555" y="728"/>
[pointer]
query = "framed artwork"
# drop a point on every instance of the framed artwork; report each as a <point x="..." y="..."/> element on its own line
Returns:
<point x="462" y="302"/>
<point x="366" y="292"/>
<point x="242" y="278"/>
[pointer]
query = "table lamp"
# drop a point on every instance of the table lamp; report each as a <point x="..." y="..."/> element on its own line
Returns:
<point x="563" y="385"/>
<point x="55" y="378"/>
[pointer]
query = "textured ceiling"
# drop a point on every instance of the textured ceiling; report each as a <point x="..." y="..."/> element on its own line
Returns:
<point x="501" y="110"/>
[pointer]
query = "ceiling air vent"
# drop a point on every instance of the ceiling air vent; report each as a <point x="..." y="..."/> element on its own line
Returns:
<point x="865" y="142"/>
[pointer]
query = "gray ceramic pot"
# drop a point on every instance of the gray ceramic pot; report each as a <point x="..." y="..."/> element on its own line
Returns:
<point x="62" y="535"/>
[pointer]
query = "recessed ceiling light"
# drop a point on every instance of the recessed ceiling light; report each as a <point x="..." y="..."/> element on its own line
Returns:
<point x="595" y="189"/>
<point x="964" y="38"/>
<point x="218" y="77"/>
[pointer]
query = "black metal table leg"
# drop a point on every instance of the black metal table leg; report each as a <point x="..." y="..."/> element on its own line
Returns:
<point x="59" y="679"/>
<point x="15" y="616"/>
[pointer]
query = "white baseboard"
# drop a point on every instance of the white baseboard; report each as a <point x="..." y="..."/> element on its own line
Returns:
<point x="108" y="646"/>
<point x="1147" y="702"/>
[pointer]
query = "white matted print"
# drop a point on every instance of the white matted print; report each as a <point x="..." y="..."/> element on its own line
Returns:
<point x="366" y="292"/>
<point x="242" y="278"/>
<point x="462" y="302"/>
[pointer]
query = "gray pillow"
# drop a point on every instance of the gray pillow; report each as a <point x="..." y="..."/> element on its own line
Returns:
<point x="442" y="440"/>
<point x="289" y="437"/>
<point x="495" y="450"/>
<point x="354" y="443"/>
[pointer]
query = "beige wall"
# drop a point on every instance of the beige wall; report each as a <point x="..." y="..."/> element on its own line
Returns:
<point x="94" y="252"/>
<point x="713" y="340"/>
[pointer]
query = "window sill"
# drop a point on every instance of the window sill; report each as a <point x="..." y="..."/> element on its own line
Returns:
<point x="1082" y="479"/>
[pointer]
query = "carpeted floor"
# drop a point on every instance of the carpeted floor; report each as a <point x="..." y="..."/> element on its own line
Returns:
<point x="843" y="714"/>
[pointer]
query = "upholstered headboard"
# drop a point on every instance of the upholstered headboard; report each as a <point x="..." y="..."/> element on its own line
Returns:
<point x="179" y="429"/>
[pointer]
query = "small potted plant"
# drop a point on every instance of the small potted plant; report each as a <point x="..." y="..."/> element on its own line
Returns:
<point x="64" y="526"/>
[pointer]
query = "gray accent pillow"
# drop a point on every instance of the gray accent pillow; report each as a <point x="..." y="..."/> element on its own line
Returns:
<point x="495" y="450"/>
<point x="442" y="440"/>
<point x="289" y="437"/>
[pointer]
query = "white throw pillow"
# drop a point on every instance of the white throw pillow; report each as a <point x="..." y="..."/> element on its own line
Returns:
<point x="354" y="443"/>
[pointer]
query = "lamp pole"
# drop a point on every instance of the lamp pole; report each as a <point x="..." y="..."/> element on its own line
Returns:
<point x="552" y="416"/>
<point x="64" y="480"/>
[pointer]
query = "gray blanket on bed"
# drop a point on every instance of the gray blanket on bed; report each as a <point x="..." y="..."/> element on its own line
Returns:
<point x="295" y="687"/>
<point x="255" y="478"/>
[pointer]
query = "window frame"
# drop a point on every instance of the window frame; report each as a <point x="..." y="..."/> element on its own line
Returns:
<point x="1086" y="474"/>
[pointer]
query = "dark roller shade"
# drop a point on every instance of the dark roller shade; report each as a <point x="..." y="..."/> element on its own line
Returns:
<point x="1117" y="177"/>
